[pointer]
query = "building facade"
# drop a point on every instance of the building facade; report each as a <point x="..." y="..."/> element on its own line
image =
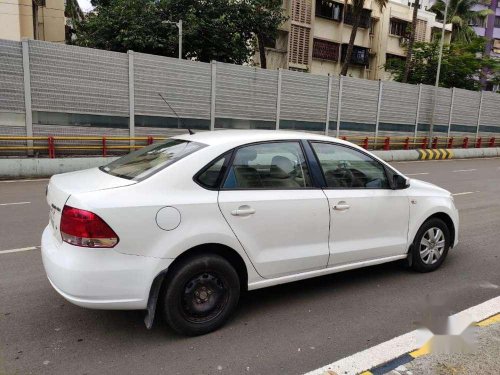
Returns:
<point x="33" y="19"/>
<point x="317" y="33"/>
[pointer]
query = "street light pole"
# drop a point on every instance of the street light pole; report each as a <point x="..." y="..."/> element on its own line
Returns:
<point x="179" y="26"/>
<point x="438" y="73"/>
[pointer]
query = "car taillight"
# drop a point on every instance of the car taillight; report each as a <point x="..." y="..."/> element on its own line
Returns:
<point x="86" y="229"/>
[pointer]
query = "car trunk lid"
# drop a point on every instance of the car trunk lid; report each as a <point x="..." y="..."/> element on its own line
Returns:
<point x="62" y="186"/>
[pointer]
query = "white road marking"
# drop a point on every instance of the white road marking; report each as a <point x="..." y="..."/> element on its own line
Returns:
<point x="18" y="250"/>
<point x="465" y="170"/>
<point x="416" y="174"/>
<point x="466" y="193"/>
<point x="27" y="180"/>
<point x="403" y="344"/>
<point x="13" y="204"/>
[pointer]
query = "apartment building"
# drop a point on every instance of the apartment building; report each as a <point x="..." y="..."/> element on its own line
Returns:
<point x="34" y="19"/>
<point x="317" y="33"/>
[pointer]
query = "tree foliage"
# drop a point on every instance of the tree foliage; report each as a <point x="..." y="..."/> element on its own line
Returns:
<point x="461" y="14"/>
<point x="222" y="30"/>
<point x="463" y="64"/>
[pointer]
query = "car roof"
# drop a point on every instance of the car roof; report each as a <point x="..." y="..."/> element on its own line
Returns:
<point x="220" y="137"/>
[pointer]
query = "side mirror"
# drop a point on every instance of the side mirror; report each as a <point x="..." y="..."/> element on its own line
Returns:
<point x="400" y="182"/>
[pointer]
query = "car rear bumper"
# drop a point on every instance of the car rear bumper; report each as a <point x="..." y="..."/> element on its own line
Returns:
<point x="99" y="278"/>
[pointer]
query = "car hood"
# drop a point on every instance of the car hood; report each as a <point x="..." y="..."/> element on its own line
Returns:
<point x="423" y="185"/>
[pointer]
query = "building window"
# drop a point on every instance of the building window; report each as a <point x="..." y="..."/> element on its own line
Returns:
<point x="299" y="45"/>
<point x="329" y="9"/>
<point x="365" y="17"/>
<point x="325" y="50"/>
<point x="497" y="21"/>
<point x="421" y="31"/>
<point x="399" y="27"/>
<point x="478" y="22"/>
<point x="360" y="55"/>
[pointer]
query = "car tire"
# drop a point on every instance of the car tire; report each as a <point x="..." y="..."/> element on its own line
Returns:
<point x="430" y="246"/>
<point x="200" y="294"/>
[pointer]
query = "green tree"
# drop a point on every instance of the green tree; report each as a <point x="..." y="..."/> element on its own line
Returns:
<point x="462" y="64"/>
<point x="357" y="10"/>
<point x="461" y="13"/>
<point x="222" y="30"/>
<point x="411" y="41"/>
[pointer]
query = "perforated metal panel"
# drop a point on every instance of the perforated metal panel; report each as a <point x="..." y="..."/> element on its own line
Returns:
<point x="442" y="114"/>
<point x="399" y="103"/>
<point x="246" y="93"/>
<point x="304" y="97"/>
<point x="359" y="100"/>
<point x="465" y="107"/>
<point x="490" y="112"/>
<point x="185" y="85"/>
<point x="79" y="80"/>
<point x="11" y="76"/>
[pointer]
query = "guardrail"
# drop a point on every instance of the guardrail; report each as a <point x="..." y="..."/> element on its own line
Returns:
<point x="103" y="145"/>
<point x="97" y="144"/>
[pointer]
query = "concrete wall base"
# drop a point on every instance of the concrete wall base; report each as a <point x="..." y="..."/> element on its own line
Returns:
<point x="38" y="168"/>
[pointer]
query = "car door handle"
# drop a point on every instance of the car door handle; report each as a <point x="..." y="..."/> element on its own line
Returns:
<point x="243" y="211"/>
<point x="341" y="206"/>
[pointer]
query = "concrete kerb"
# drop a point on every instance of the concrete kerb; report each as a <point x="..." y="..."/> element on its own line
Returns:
<point x="41" y="167"/>
<point x="38" y="167"/>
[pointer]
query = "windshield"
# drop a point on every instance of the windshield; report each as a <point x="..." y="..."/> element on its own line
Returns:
<point x="143" y="163"/>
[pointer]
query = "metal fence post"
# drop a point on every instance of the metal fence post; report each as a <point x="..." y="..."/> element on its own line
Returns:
<point x="379" y="102"/>
<point x="417" y="115"/>
<point x="479" y="116"/>
<point x="451" y="110"/>
<point x="131" y="98"/>
<point x="27" y="95"/>
<point x="213" y="93"/>
<point x="328" y="102"/>
<point x="278" y="99"/>
<point x="339" y="105"/>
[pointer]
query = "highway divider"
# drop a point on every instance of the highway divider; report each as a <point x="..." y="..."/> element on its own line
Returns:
<point x="12" y="168"/>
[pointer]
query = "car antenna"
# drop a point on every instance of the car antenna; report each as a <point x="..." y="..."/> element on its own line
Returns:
<point x="173" y="110"/>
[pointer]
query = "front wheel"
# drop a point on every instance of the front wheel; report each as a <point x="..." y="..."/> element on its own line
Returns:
<point x="200" y="294"/>
<point x="430" y="246"/>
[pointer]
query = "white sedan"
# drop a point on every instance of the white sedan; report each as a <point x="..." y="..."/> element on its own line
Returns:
<point x="191" y="223"/>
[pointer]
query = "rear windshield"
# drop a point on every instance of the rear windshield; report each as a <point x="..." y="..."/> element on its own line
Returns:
<point x="143" y="163"/>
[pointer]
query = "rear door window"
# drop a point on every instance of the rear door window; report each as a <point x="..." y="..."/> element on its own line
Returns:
<point x="145" y="162"/>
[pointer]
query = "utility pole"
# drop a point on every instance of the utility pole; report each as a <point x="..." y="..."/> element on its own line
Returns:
<point x="431" y="127"/>
<point x="179" y="26"/>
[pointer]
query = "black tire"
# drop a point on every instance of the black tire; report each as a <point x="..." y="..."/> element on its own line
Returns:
<point x="200" y="294"/>
<point x="421" y="262"/>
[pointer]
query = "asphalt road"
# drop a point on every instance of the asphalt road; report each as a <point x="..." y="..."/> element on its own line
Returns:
<point x="288" y="329"/>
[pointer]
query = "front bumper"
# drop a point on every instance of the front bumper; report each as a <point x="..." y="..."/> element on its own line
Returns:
<point x="99" y="278"/>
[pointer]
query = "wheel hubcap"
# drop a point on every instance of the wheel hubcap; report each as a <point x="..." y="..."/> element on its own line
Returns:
<point x="432" y="245"/>
<point x="204" y="298"/>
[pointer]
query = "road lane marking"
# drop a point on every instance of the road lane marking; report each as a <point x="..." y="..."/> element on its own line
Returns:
<point x="13" y="204"/>
<point x="19" y="250"/>
<point x="27" y="180"/>
<point x="408" y="343"/>
<point x="466" y="193"/>
<point x="465" y="170"/>
<point x="416" y="174"/>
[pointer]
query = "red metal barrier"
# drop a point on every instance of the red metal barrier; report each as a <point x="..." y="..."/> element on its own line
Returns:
<point x="344" y="138"/>
<point x="104" y="150"/>
<point x="492" y="142"/>
<point x="424" y="143"/>
<point x="478" y="142"/>
<point x="435" y="142"/>
<point x="365" y="143"/>
<point x="52" y="148"/>
<point x="387" y="143"/>
<point x="150" y="140"/>
<point x="407" y="143"/>
<point x="465" y="143"/>
<point x="450" y="142"/>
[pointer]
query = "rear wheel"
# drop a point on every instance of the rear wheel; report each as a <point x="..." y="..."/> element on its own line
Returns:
<point x="430" y="246"/>
<point x="200" y="294"/>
